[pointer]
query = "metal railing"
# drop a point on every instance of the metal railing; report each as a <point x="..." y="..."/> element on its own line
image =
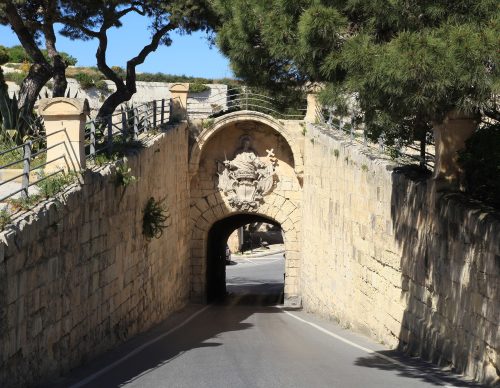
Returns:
<point x="129" y="122"/>
<point x="126" y="124"/>
<point x="28" y="159"/>
<point x="239" y="99"/>
<point x="410" y="152"/>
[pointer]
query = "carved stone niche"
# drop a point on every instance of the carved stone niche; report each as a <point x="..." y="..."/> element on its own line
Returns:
<point x="246" y="178"/>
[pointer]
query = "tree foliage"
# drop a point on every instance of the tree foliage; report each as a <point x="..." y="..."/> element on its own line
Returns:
<point x="33" y="21"/>
<point x="403" y="64"/>
<point x="93" y="19"/>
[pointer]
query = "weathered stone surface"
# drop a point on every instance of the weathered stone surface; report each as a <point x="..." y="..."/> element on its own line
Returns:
<point x="384" y="254"/>
<point x="66" y="272"/>
<point x="271" y="143"/>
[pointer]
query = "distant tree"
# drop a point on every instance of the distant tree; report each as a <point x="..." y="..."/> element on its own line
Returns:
<point x="93" y="19"/>
<point x="17" y="54"/>
<point x="30" y="20"/>
<point x="404" y="63"/>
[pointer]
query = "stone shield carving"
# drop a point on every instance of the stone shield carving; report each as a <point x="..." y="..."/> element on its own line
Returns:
<point x="247" y="178"/>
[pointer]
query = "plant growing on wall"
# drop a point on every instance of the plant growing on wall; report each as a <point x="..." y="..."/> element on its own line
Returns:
<point x="155" y="219"/>
<point x="5" y="219"/>
<point x="124" y="175"/>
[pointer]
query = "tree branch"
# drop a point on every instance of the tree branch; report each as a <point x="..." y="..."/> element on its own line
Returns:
<point x="146" y="50"/>
<point x="24" y="35"/>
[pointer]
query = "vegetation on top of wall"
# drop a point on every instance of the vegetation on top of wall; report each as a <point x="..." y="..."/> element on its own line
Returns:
<point x="481" y="163"/>
<point x="155" y="219"/>
<point x="52" y="185"/>
<point x="15" y="76"/>
<point x="198" y="87"/>
<point x="48" y="188"/>
<point x="17" y="54"/>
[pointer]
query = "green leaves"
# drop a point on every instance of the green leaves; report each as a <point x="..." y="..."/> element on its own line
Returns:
<point x="155" y="219"/>
<point x="402" y="61"/>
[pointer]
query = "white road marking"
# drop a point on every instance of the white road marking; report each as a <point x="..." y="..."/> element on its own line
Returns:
<point x="137" y="350"/>
<point x="369" y="351"/>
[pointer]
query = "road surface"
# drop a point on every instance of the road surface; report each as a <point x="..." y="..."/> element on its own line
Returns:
<point x="249" y="341"/>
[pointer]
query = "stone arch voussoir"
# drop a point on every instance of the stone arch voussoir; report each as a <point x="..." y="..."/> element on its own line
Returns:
<point x="278" y="209"/>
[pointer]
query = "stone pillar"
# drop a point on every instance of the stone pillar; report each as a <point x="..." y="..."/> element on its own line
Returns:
<point x="450" y="137"/>
<point x="313" y="107"/>
<point x="234" y="242"/>
<point x="178" y="106"/>
<point x="64" y="120"/>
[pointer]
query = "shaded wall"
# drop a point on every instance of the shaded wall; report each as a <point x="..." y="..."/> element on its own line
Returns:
<point x="386" y="255"/>
<point x="77" y="276"/>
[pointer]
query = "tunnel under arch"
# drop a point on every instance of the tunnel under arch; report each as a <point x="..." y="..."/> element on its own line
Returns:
<point x="216" y="243"/>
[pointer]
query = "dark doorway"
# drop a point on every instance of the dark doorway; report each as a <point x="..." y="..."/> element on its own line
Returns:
<point x="216" y="251"/>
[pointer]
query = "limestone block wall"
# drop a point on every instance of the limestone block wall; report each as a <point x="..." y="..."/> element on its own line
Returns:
<point x="209" y="204"/>
<point x="384" y="254"/>
<point x="77" y="276"/>
<point x="199" y="104"/>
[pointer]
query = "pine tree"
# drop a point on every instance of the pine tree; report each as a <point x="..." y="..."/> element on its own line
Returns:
<point x="406" y="63"/>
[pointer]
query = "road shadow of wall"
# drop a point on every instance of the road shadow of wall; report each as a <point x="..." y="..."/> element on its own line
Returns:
<point x="450" y="278"/>
<point x="166" y="349"/>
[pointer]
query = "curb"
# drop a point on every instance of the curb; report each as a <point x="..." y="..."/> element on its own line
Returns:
<point x="263" y="254"/>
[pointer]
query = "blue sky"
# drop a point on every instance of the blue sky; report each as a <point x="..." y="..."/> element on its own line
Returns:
<point x="189" y="54"/>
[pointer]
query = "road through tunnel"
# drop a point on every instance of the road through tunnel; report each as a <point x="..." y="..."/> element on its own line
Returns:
<point x="216" y="251"/>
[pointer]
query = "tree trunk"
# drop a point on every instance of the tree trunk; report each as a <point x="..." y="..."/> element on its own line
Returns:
<point x="3" y="84"/>
<point x="37" y="77"/>
<point x="422" y="151"/>
<point x="113" y="101"/>
<point x="58" y="64"/>
<point x="59" y="75"/>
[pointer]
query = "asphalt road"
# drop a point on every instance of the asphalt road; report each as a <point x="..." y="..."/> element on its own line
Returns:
<point x="249" y="341"/>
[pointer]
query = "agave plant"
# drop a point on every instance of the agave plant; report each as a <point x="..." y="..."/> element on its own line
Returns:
<point x="15" y="123"/>
<point x="18" y="126"/>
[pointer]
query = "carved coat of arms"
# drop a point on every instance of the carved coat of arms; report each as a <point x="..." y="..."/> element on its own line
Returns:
<point x="246" y="178"/>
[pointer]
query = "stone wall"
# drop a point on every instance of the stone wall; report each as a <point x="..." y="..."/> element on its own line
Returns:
<point x="384" y="254"/>
<point x="78" y="277"/>
<point x="282" y="205"/>
<point x="199" y="104"/>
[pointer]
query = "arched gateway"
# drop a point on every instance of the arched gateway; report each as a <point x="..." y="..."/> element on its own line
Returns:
<point x="246" y="167"/>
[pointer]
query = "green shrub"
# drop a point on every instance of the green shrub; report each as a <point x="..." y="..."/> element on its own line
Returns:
<point x="155" y="219"/>
<point x="85" y="80"/>
<point x="24" y="203"/>
<point x="481" y="163"/>
<point x="4" y="55"/>
<point x="17" y="77"/>
<point x="102" y="86"/>
<point x="198" y="87"/>
<point x="124" y="175"/>
<point x="54" y="184"/>
<point x="5" y="219"/>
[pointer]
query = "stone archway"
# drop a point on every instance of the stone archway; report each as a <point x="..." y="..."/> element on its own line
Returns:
<point x="277" y="209"/>
<point x="216" y="251"/>
<point x="271" y="143"/>
<point x="224" y="121"/>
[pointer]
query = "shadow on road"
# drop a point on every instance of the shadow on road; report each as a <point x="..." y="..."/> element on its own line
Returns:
<point x="414" y="368"/>
<point x="226" y="316"/>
